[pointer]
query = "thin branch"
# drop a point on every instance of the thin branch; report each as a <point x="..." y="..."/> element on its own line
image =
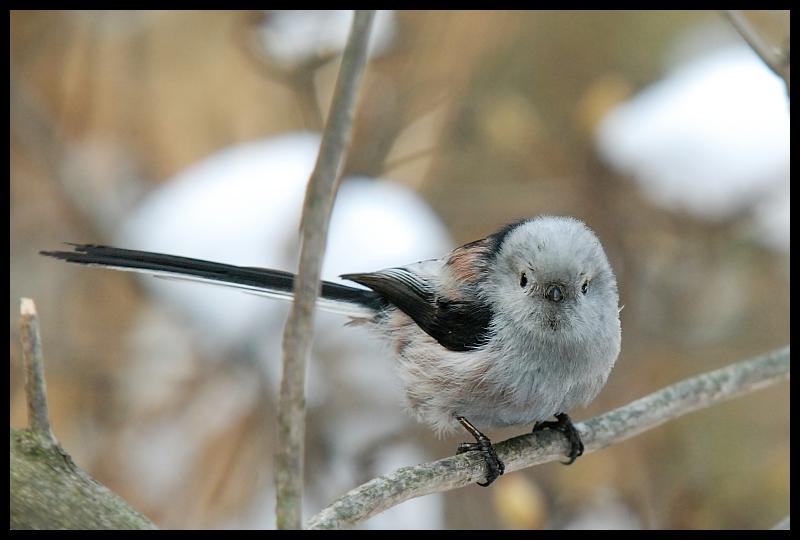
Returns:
<point x="776" y="60"/>
<point x="527" y="450"/>
<point x="316" y="215"/>
<point x="35" y="392"/>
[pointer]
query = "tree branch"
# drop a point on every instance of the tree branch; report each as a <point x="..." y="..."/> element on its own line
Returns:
<point x="48" y="491"/>
<point x="316" y="215"/>
<point x="531" y="449"/>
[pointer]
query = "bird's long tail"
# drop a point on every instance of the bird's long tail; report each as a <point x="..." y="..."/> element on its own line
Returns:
<point x="335" y="298"/>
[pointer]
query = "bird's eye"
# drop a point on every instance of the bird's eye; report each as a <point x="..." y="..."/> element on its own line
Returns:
<point x="523" y="279"/>
<point x="585" y="286"/>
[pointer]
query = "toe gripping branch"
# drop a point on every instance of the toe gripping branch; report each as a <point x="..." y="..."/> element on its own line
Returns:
<point x="495" y="466"/>
<point x="564" y="424"/>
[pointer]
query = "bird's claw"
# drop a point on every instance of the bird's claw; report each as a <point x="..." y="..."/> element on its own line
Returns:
<point x="564" y="424"/>
<point x="495" y="466"/>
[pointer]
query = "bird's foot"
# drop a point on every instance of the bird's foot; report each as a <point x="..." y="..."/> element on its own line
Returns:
<point x="495" y="466"/>
<point x="564" y="425"/>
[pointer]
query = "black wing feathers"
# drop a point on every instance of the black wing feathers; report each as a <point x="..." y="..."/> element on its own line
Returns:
<point x="456" y="325"/>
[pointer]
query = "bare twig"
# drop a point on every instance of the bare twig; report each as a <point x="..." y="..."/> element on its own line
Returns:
<point x="35" y="392"/>
<point x="316" y="215"/>
<point x="773" y="57"/>
<point x="527" y="450"/>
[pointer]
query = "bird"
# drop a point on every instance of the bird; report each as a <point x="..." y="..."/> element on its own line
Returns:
<point x="509" y="330"/>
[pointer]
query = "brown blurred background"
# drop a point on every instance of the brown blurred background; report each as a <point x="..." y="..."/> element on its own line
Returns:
<point x="489" y="116"/>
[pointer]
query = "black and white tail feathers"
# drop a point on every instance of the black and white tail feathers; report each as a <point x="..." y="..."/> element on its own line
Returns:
<point x="335" y="298"/>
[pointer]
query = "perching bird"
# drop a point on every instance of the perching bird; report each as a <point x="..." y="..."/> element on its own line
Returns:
<point x="508" y="330"/>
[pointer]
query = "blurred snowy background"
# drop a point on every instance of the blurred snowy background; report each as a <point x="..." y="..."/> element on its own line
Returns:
<point x="194" y="133"/>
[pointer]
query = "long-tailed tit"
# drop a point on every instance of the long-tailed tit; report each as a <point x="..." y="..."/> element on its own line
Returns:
<point x="504" y="331"/>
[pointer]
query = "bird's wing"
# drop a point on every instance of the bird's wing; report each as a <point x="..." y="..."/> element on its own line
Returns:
<point x="457" y="324"/>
